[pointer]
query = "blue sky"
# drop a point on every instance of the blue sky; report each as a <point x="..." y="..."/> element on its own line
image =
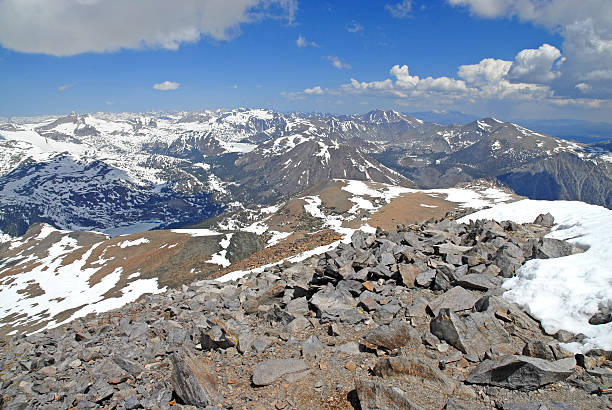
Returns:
<point x="503" y="58"/>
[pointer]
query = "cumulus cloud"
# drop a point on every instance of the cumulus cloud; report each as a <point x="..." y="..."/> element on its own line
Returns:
<point x="401" y="9"/>
<point x="536" y="66"/>
<point x="166" y="86"/>
<point x="303" y="42"/>
<point x="487" y="71"/>
<point x="317" y="90"/>
<point x="339" y="64"/>
<point x="490" y="79"/>
<point x="586" y="29"/>
<point x="68" y="27"/>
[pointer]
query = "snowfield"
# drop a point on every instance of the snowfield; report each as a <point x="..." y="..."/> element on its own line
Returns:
<point x="563" y="293"/>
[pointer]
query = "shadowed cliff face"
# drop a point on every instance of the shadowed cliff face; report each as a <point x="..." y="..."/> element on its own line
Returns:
<point x="563" y="176"/>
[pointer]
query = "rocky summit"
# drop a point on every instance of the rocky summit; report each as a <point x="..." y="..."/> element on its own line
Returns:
<point x="411" y="318"/>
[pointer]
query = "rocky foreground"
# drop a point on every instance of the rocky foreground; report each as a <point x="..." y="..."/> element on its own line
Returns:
<point x="407" y="319"/>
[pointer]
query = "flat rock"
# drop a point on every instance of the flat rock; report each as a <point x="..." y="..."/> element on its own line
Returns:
<point x="268" y="372"/>
<point x="522" y="372"/>
<point x="477" y="281"/>
<point x="451" y="248"/>
<point x="456" y="299"/>
<point x="333" y="299"/>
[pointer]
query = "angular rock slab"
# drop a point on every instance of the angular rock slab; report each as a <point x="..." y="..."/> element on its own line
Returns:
<point x="377" y="395"/>
<point x="394" y="335"/>
<point x="522" y="372"/>
<point x="268" y="372"/>
<point x="331" y="298"/>
<point x="476" y="334"/>
<point x="413" y="366"/>
<point x="194" y="382"/>
<point x="456" y="299"/>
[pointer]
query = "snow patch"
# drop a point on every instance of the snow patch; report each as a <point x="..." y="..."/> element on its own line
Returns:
<point x="135" y="242"/>
<point x="196" y="232"/>
<point x="563" y="293"/>
<point x="277" y="237"/>
<point x="220" y="258"/>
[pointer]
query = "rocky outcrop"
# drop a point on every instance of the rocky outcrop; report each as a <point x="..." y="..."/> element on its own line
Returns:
<point x="342" y="329"/>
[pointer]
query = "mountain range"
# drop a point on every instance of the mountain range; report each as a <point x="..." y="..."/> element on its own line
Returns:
<point x="106" y="172"/>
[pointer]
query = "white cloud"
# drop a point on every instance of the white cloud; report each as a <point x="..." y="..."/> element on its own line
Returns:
<point x="339" y="64"/>
<point x="64" y="87"/>
<point x="317" y="90"/>
<point x="536" y="66"/>
<point x="303" y="42"/>
<point x="68" y="27"/>
<point x="401" y="9"/>
<point x="584" y="87"/>
<point x="586" y="28"/>
<point x="354" y="27"/>
<point x="235" y="86"/>
<point x="488" y="71"/>
<point x="488" y="80"/>
<point x="166" y="86"/>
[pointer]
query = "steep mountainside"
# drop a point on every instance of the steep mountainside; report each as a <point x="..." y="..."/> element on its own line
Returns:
<point x="563" y="176"/>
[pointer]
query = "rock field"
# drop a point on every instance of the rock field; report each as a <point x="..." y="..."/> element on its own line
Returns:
<point x="408" y="319"/>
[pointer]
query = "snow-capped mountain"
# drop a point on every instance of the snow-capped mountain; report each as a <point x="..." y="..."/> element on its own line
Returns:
<point x="533" y="164"/>
<point x="107" y="171"/>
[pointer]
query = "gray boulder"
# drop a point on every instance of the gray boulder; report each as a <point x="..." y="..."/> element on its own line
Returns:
<point x="549" y="248"/>
<point x="193" y="381"/>
<point x="522" y="372"/>
<point x="456" y="299"/>
<point x="331" y="298"/>
<point x="476" y="334"/>
<point x="413" y="366"/>
<point x="376" y="395"/>
<point x="476" y="281"/>
<point x="268" y="372"/>
<point x="546" y="220"/>
<point x="394" y="335"/>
